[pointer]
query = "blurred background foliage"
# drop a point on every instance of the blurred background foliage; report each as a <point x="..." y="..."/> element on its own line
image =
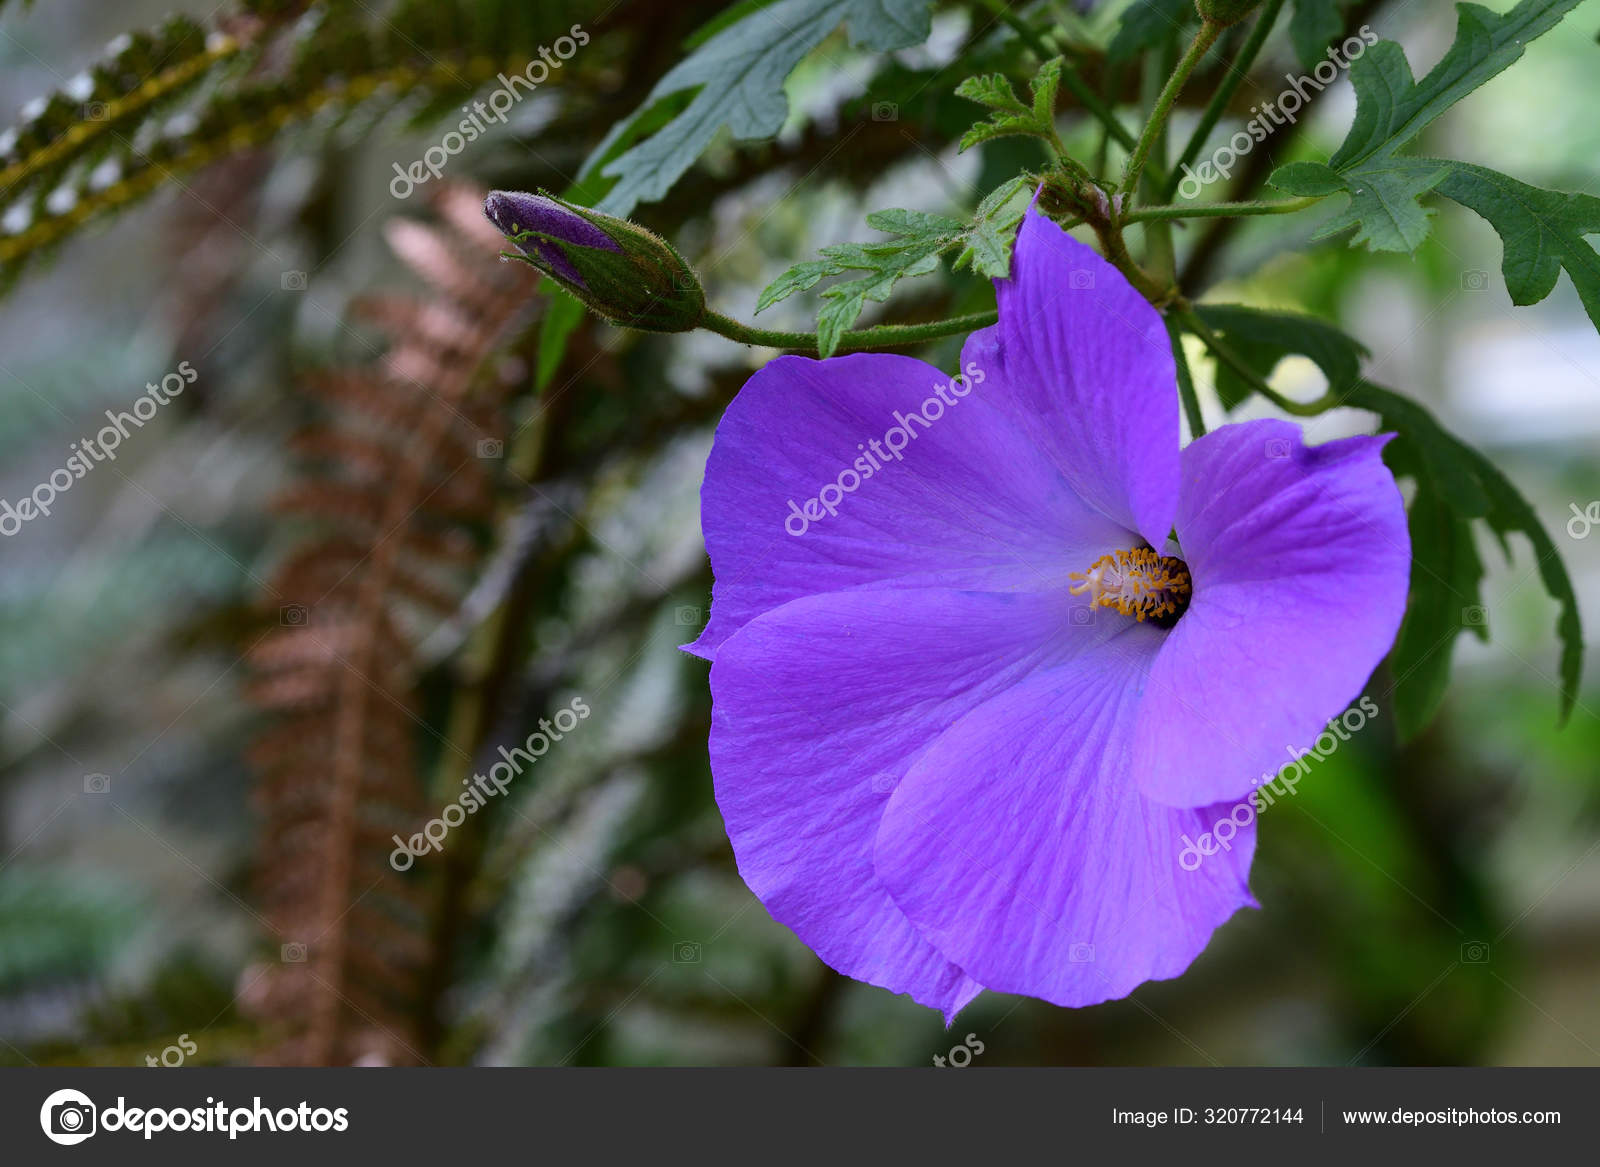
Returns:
<point x="1437" y="902"/>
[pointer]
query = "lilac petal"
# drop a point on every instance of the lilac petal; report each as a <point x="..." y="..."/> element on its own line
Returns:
<point x="971" y="503"/>
<point x="1301" y="563"/>
<point x="820" y="706"/>
<point x="1020" y="847"/>
<point x="1086" y="367"/>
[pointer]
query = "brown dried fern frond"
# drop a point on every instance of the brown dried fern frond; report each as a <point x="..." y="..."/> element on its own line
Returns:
<point x="394" y="481"/>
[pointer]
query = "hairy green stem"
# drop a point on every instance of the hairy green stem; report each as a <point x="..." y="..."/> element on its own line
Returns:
<point x="1221" y="210"/>
<point x="1203" y="40"/>
<point x="857" y="340"/>
<point x="1219" y="100"/>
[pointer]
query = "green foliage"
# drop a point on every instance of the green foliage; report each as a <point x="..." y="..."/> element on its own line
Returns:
<point x="1148" y="24"/>
<point x="1541" y="231"/>
<point x="57" y="927"/>
<point x="919" y="240"/>
<point x="737" y="78"/>
<point x="1011" y="117"/>
<point x="1314" y="26"/>
<point x="1455" y="486"/>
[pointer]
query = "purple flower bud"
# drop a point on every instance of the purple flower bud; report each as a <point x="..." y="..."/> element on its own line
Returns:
<point x="514" y="213"/>
<point x="617" y="268"/>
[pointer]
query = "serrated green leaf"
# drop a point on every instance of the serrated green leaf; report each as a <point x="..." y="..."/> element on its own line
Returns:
<point x="1308" y="178"/>
<point x="994" y="228"/>
<point x="838" y="313"/>
<point x="799" y="278"/>
<point x="914" y="224"/>
<point x="1449" y="474"/>
<point x="1541" y="232"/>
<point x="1046" y="85"/>
<point x="999" y="127"/>
<point x="1385" y="205"/>
<point x="1445" y="600"/>
<point x="1392" y="108"/>
<point x="1012" y="118"/>
<point x="993" y="91"/>
<point x="737" y="78"/>
<point x="919" y="239"/>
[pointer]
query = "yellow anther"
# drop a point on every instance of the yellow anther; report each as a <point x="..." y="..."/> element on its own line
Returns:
<point x="1136" y="583"/>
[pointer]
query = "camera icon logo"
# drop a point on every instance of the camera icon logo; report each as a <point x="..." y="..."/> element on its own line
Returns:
<point x="1475" y="952"/>
<point x="294" y="615"/>
<point x="292" y="953"/>
<point x="1081" y="954"/>
<point x="688" y="616"/>
<point x="885" y="111"/>
<point x="97" y="783"/>
<point x="96" y="111"/>
<point x="1277" y="449"/>
<point x="1081" y="280"/>
<point x="1083" y="614"/>
<point x="1474" y="281"/>
<point x="686" y="952"/>
<point x="491" y="448"/>
<point x="294" y="281"/>
<point x="884" y="783"/>
<point x="1475" y="616"/>
<point x="67" y="1117"/>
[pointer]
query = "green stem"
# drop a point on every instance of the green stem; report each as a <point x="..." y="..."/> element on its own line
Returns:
<point x="1227" y="356"/>
<point x="1219" y="100"/>
<point x="1186" y="393"/>
<point x="857" y="340"/>
<point x="1203" y="40"/>
<point x="1160" y="254"/>
<point x="1221" y="210"/>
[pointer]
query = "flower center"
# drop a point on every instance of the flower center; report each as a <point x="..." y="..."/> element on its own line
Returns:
<point x="1137" y="583"/>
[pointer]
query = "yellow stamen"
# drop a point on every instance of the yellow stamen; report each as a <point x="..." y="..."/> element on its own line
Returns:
<point x="1136" y="583"/>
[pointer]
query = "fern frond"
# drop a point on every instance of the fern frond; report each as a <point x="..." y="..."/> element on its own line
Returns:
<point x="164" y="104"/>
<point x="408" y="499"/>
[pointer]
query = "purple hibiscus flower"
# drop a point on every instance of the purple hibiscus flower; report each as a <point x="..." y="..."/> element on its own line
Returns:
<point x="969" y="708"/>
